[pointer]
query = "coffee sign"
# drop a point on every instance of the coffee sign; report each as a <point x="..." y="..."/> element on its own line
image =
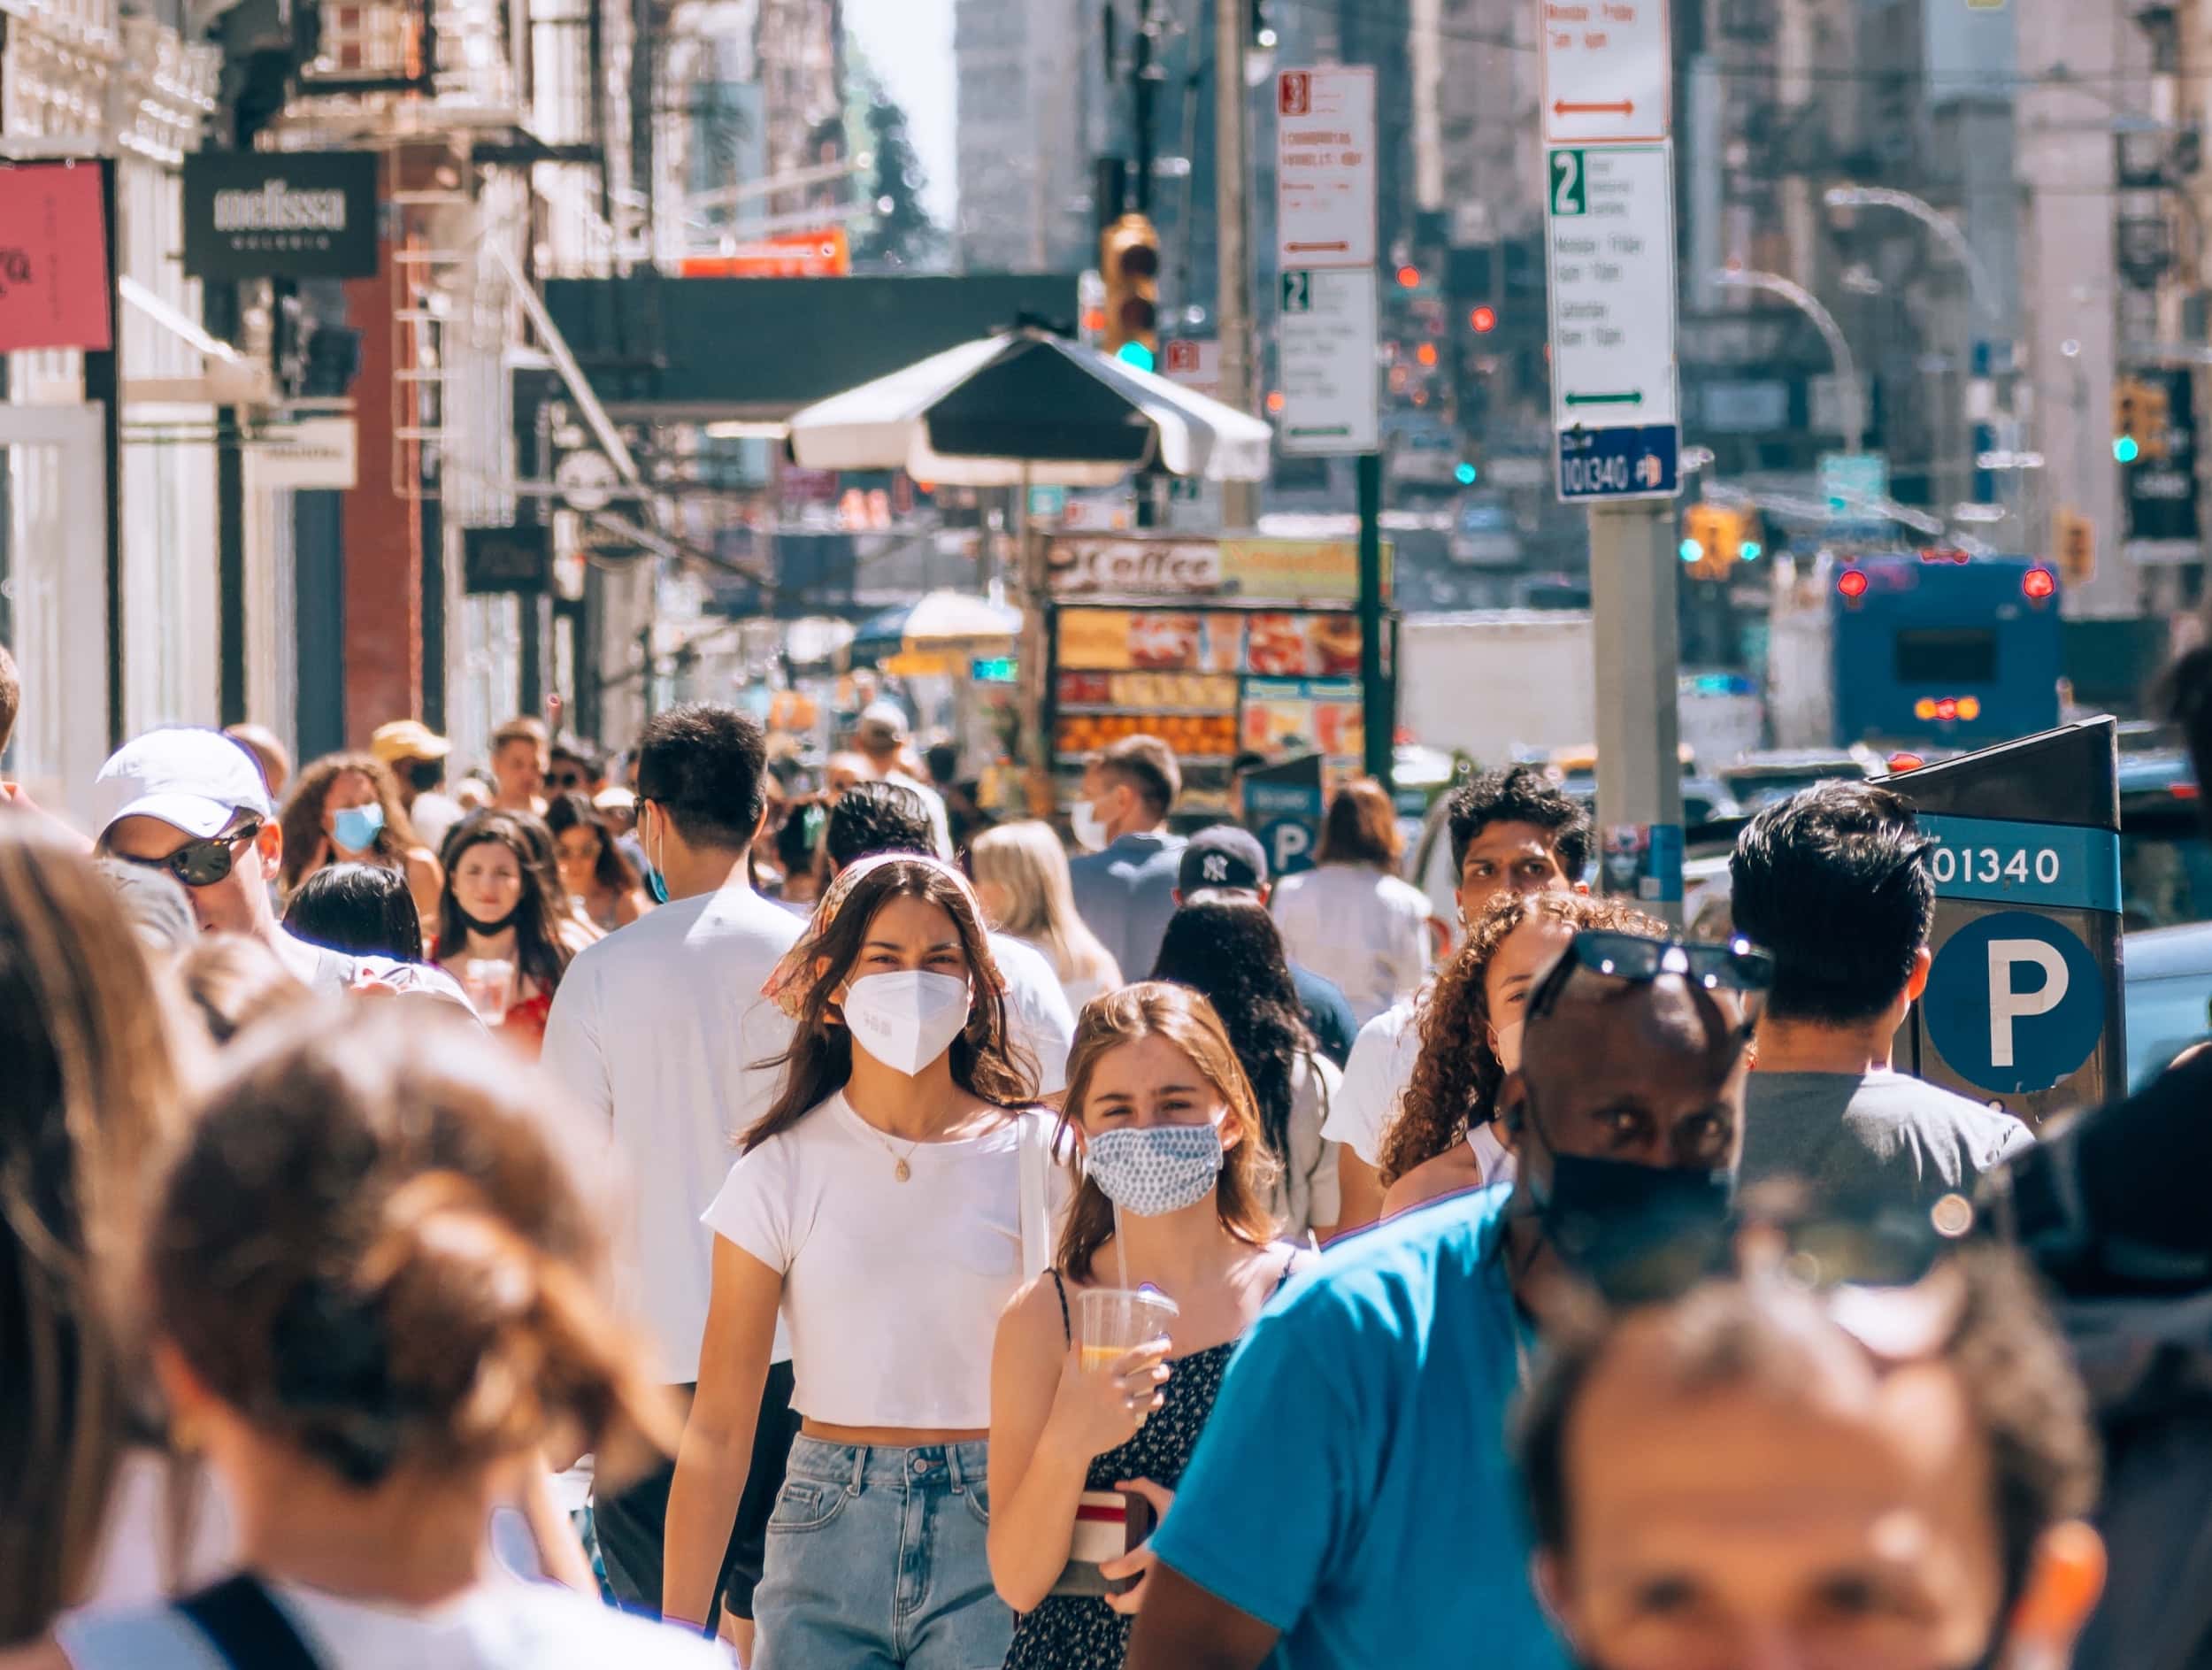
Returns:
<point x="279" y="213"/>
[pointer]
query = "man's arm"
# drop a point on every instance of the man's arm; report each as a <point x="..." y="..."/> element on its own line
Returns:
<point x="1184" y="1628"/>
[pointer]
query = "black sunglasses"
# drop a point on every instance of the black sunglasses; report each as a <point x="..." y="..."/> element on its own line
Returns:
<point x="202" y="863"/>
<point x="1736" y="965"/>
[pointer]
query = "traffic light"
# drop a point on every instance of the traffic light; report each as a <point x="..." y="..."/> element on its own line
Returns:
<point x="2138" y="421"/>
<point x="1714" y="540"/>
<point x="1129" y="260"/>
<point x="2076" y="537"/>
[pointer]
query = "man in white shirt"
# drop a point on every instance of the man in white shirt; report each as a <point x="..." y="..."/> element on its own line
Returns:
<point x="1512" y="832"/>
<point x="871" y="817"/>
<point x="661" y="1029"/>
<point x="881" y="737"/>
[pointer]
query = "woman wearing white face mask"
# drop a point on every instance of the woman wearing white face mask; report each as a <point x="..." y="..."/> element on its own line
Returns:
<point x="1443" y="1140"/>
<point x="1175" y="1197"/>
<point x="889" y="1203"/>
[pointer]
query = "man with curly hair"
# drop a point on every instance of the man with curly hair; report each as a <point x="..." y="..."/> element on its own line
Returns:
<point x="1512" y="832"/>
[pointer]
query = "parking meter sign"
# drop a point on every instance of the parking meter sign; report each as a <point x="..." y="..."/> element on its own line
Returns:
<point x="1288" y="843"/>
<point x="2015" y="1002"/>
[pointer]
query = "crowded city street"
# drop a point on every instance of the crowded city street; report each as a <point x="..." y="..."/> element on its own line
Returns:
<point x="1197" y="835"/>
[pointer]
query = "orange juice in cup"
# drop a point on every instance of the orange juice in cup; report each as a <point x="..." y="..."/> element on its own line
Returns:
<point x="1111" y="1322"/>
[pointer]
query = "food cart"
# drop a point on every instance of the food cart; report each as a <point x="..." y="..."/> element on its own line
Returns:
<point x="1214" y="645"/>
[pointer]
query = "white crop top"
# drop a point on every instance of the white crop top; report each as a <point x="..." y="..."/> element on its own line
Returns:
<point x="892" y="1290"/>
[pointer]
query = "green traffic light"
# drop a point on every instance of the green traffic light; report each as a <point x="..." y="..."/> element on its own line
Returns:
<point x="1134" y="353"/>
<point x="1465" y="474"/>
<point x="1691" y="552"/>
<point x="1751" y="551"/>
<point x="2125" y="449"/>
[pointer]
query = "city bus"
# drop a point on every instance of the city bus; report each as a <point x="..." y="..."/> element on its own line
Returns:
<point x="1940" y="652"/>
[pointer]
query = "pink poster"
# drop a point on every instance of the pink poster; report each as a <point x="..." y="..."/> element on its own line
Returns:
<point x="53" y="284"/>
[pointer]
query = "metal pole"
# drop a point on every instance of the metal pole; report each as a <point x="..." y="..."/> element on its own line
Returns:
<point x="1378" y="714"/>
<point x="219" y="303"/>
<point x="1634" y="638"/>
<point x="1232" y="311"/>
<point x="1147" y="77"/>
<point x="103" y="384"/>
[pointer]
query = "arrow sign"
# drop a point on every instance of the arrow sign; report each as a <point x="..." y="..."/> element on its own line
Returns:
<point x="1634" y="398"/>
<point x="1608" y="70"/>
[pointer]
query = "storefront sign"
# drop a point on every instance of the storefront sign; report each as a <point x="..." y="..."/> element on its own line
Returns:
<point x="315" y="453"/>
<point x="54" y="280"/>
<point x="507" y="559"/>
<point x="1259" y="570"/>
<point x="279" y="213"/>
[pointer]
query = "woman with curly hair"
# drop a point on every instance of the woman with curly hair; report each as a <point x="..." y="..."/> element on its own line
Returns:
<point x="1230" y="951"/>
<point x="1441" y="1140"/>
<point x="345" y="808"/>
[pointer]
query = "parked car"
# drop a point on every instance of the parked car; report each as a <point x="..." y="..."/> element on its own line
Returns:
<point x="2169" y="996"/>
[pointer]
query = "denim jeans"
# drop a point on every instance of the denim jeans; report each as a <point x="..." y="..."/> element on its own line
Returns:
<point x="876" y="1558"/>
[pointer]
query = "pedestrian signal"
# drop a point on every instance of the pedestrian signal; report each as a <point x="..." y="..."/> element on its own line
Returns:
<point x="1129" y="260"/>
<point x="2076" y="537"/>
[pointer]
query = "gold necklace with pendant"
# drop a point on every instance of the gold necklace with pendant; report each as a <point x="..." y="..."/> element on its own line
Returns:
<point x="903" y="1171"/>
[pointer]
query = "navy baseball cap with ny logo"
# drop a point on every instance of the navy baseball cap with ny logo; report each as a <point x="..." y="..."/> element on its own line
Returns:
<point x="1223" y="856"/>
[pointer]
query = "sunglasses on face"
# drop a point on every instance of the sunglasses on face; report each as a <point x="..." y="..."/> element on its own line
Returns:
<point x="1736" y="966"/>
<point x="199" y="864"/>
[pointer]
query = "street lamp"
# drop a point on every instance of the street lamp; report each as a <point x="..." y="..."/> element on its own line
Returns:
<point x="1977" y="279"/>
<point x="1806" y="302"/>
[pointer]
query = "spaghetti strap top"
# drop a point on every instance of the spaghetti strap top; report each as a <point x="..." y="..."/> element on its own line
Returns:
<point x="1067" y="1323"/>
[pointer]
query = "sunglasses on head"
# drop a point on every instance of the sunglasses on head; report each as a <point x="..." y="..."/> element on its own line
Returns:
<point x="566" y="779"/>
<point x="203" y="863"/>
<point x="1736" y="965"/>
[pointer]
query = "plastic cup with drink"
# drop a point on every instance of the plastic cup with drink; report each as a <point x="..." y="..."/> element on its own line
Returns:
<point x="488" y="983"/>
<point x="1111" y="1322"/>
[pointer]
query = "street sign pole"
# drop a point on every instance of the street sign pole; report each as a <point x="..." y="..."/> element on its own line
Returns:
<point x="1634" y="639"/>
<point x="1377" y="709"/>
<point x="1610" y="221"/>
<point x="1325" y="249"/>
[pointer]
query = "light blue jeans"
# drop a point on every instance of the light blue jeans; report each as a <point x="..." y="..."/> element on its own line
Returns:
<point x="876" y="1558"/>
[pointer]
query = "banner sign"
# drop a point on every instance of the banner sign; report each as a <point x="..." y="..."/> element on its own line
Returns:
<point x="54" y="280"/>
<point x="279" y="213"/>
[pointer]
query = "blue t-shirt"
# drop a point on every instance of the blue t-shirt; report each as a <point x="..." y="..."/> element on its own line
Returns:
<point x="1353" y="1487"/>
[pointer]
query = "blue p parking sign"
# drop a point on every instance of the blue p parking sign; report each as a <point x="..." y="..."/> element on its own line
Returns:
<point x="2015" y="1002"/>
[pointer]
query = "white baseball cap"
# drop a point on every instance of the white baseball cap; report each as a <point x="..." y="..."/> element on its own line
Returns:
<point x="885" y="718"/>
<point x="197" y="780"/>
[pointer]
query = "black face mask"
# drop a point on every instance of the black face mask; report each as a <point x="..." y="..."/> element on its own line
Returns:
<point x="488" y="928"/>
<point x="1636" y="1232"/>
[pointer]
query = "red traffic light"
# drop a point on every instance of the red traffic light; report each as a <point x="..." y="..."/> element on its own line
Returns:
<point x="1409" y="278"/>
<point x="2038" y="584"/>
<point x="1852" y="582"/>
<point x="1483" y="319"/>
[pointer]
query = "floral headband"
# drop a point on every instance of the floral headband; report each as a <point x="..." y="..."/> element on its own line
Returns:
<point x="794" y="977"/>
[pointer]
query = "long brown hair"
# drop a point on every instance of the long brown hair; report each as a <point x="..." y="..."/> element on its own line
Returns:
<point x="986" y="1062"/>
<point x="372" y="1251"/>
<point x="302" y="817"/>
<point x="1455" y="1083"/>
<point x="88" y="1103"/>
<point x="1159" y="1008"/>
<point x="539" y="950"/>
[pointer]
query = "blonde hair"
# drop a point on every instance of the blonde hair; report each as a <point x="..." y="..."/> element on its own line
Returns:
<point x="1030" y="867"/>
<point x="1156" y="1008"/>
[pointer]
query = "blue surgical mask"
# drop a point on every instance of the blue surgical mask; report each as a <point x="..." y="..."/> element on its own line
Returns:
<point x="1151" y="1170"/>
<point x="357" y="827"/>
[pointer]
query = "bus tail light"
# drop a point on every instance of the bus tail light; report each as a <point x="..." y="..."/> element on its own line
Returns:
<point x="2037" y="585"/>
<point x="1852" y="583"/>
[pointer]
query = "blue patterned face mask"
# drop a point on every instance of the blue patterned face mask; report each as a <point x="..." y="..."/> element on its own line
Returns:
<point x="1155" y="1169"/>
